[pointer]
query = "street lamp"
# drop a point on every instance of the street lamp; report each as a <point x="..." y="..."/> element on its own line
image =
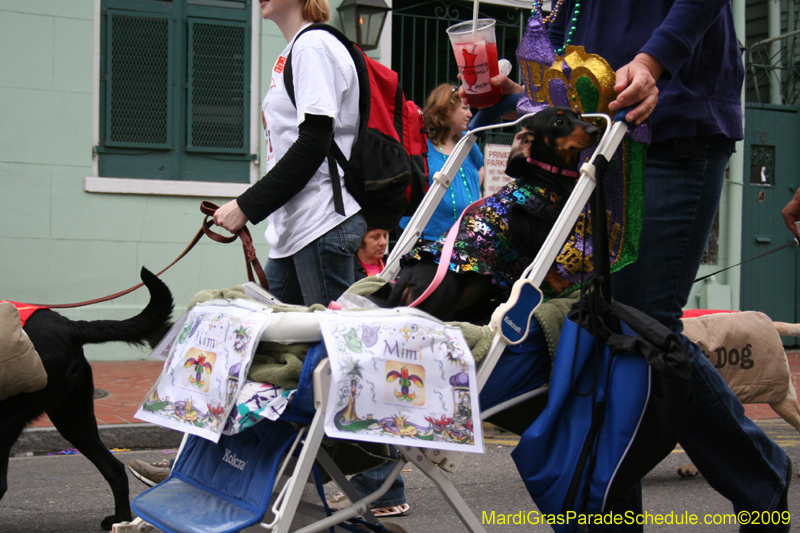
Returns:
<point x="362" y="21"/>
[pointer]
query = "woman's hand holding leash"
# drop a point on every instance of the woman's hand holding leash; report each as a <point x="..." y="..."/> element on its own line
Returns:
<point x="230" y="217"/>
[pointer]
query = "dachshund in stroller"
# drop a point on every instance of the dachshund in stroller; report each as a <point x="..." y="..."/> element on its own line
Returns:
<point x="498" y="240"/>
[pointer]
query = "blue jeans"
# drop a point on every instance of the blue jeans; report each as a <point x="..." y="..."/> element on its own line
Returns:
<point x="682" y="190"/>
<point x="369" y="481"/>
<point x="321" y="271"/>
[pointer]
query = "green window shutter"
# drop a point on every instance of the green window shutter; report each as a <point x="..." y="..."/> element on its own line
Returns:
<point x="139" y="80"/>
<point x="175" y="90"/>
<point x="232" y="4"/>
<point x="218" y="86"/>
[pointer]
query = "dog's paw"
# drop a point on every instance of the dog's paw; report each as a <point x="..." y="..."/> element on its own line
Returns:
<point x="688" y="470"/>
<point x="109" y="521"/>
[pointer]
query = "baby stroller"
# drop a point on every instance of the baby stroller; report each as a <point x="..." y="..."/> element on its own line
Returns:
<point x="201" y="495"/>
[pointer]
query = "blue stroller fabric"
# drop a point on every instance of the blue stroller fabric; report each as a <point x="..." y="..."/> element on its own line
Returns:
<point x="301" y="408"/>
<point x="522" y="368"/>
<point x="619" y="395"/>
<point x="222" y="487"/>
<point x="226" y="487"/>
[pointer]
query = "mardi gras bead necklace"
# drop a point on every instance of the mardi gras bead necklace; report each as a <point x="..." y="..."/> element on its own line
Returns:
<point x="537" y="11"/>
<point x="463" y="178"/>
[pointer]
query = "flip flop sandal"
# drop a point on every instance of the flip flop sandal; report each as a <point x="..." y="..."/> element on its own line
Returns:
<point x="394" y="510"/>
<point x="339" y="501"/>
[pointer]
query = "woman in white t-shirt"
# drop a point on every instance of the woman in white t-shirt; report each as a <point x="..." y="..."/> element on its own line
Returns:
<point x="311" y="245"/>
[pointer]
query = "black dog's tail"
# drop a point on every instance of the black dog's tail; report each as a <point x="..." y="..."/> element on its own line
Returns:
<point x="149" y="325"/>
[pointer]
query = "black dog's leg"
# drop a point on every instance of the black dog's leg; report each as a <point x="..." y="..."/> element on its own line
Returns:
<point x="15" y="413"/>
<point x="415" y="278"/>
<point x="9" y="432"/>
<point x="74" y="419"/>
<point x="464" y="296"/>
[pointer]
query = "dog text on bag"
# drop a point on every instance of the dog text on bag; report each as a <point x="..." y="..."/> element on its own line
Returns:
<point x="734" y="357"/>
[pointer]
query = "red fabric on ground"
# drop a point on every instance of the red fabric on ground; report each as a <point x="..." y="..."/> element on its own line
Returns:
<point x="694" y="313"/>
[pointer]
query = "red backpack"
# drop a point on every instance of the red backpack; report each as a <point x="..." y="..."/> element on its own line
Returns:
<point x="387" y="172"/>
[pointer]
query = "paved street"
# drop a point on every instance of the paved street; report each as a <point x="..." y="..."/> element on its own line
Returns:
<point x="65" y="494"/>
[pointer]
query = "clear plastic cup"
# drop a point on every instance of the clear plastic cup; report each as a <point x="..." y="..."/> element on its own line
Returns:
<point x="476" y="56"/>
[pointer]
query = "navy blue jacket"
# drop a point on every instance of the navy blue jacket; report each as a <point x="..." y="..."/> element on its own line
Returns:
<point x="700" y="90"/>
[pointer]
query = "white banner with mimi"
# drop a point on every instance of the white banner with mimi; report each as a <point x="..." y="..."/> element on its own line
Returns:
<point x="402" y="380"/>
<point x="209" y="357"/>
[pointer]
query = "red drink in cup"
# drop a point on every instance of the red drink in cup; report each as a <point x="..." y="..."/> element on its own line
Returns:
<point x="476" y="57"/>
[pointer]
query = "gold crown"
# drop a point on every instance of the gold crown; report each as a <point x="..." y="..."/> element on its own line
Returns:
<point x="584" y="82"/>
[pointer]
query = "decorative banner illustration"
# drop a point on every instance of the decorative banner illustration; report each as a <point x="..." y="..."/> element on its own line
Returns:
<point x="402" y="380"/>
<point x="207" y="364"/>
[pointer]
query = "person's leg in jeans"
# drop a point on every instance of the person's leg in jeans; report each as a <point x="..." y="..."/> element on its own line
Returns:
<point x="322" y="270"/>
<point x="325" y="267"/>
<point x="682" y="191"/>
<point x="282" y="279"/>
<point x="369" y="481"/>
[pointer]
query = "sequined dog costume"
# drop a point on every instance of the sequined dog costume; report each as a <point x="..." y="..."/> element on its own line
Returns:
<point x="484" y="244"/>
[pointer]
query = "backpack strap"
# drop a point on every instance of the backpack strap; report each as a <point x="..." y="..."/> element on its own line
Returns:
<point x="336" y="182"/>
<point x="335" y="155"/>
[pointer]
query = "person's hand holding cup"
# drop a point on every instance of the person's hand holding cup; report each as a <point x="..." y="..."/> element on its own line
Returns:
<point x="506" y="85"/>
<point x="476" y="57"/>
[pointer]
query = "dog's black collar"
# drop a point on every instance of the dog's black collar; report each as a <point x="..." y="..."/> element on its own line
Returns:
<point x="554" y="169"/>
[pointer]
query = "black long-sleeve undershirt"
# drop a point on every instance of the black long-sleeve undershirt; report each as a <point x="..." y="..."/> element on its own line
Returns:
<point x="292" y="172"/>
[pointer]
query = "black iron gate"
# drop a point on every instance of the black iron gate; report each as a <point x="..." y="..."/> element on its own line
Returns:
<point x="421" y="51"/>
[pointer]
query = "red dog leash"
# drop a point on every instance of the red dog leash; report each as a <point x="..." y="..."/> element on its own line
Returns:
<point x="208" y="209"/>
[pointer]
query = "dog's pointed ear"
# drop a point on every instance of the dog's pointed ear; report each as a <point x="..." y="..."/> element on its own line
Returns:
<point x="530" y="132"/>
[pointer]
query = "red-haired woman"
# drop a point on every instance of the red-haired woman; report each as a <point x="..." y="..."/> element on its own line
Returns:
<point x="447" y="118"/>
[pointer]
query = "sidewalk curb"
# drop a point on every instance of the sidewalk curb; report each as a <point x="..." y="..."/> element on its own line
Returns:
<point x="131" y="436"/>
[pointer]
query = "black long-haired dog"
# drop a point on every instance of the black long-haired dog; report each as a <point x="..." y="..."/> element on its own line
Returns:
<point x="498" y="240"/>
<point x="68" y="398"/>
